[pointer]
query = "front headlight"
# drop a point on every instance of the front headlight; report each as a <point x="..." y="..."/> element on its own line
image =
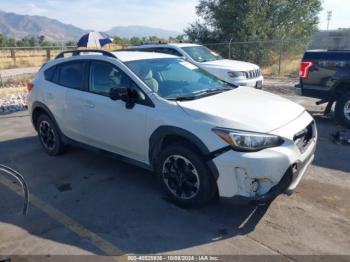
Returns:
<point x="234" y="74"/>
<point x="248" y="141"/>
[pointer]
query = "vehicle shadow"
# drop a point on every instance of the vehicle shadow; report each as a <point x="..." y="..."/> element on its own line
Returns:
<point x="120" y="203"/>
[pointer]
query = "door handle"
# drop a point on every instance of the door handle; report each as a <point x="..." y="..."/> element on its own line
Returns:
<point x="89" y="104"/>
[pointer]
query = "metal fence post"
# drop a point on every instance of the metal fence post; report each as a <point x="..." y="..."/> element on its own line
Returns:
<point x="13" y="55"/>
<point x="229" y="48"/>
<point x="48" y="54"/>
<point x="280" y="58"/>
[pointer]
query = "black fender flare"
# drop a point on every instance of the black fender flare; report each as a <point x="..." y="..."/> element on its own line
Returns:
<point x="43" y="107"/>
<point x="158" y="136"/>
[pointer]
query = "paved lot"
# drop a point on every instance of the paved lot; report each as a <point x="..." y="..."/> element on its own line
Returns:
<point x="85" y="203"/>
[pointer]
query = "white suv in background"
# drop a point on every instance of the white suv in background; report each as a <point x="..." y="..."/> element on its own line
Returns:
<point x="232" y="71"/>
<point x="199" y="134"/>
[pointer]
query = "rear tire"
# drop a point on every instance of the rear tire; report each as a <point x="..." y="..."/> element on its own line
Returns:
<point x="49" y="136"/>
<point x="342" y="109"/>
<point x="184" y="176"/>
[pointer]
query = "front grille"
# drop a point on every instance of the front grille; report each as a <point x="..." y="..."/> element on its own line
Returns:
<point x="303" y="138"/>
<point x="252" y="74"/>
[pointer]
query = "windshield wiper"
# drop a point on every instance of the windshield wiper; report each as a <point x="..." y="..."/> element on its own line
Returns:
<point x="214" y="91"/>
<point x="182" y="98"/>
<point x="201" y="94"/>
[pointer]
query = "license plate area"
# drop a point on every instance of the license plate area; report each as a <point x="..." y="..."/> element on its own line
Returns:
<point x="258" y="84"/>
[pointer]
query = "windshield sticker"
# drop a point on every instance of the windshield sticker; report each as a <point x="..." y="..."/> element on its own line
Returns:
<point x="189" y="65"/>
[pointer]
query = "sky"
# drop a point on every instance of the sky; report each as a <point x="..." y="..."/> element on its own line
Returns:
<point x="175" y="15"/>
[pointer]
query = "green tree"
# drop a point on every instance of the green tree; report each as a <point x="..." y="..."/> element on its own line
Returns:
<point x="249" y="20"/>
<point x="71" y="43"/>
<point x="41" y="40"/>
<point x="11" y="42"/>
<point x="180" y="38"/>
<point x="3" y="41"/>
<point x="120" y="41"/>
<point x="23" y="42"/>
<point x="222" y="20"/>
<point x="135" y="40"/>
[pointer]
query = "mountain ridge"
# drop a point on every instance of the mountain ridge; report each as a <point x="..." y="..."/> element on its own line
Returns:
<point x="141" y="31"/>
<point x="21" y="26"/>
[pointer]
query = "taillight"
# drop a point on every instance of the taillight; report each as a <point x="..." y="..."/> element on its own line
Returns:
<point x="30" y="86"/>
<point x="304" y="69"/>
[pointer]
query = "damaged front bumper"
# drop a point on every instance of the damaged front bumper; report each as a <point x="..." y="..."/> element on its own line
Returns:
<point x="288" y="183"/>
<point x="262" y="176"/>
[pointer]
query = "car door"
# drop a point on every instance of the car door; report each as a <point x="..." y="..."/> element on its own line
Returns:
<point x="108" y="124"/>
<point x="72" y="78"/>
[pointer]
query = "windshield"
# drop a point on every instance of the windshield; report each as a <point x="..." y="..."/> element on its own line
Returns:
<point x="176" y="79"/>
<point x="201" y="53"/>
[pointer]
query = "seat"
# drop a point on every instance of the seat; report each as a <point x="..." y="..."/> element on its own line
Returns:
<point x="147" y="77"/>
<point x="104" y="78"/>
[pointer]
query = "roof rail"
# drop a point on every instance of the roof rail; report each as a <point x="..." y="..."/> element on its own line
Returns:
<point x="78" y="52"/>
<point x="154" y="43"/>
<point x="338" y="50"/>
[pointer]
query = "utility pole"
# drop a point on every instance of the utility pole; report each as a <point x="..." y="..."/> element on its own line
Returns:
<point x="329" y="18"/>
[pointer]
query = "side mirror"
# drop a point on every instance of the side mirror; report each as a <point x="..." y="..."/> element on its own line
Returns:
<point x="118" y="93"/>
<point x="127" y="95"/>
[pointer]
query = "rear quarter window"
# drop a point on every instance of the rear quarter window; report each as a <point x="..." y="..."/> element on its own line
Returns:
<point x="49" y="73"/>
<point x="72" y="75"/>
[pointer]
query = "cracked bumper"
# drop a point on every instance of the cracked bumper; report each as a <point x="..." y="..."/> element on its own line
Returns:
<point x="261" y="176"/>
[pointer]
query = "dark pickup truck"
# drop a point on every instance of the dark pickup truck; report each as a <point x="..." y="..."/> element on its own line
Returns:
<point x="326" y="75"/>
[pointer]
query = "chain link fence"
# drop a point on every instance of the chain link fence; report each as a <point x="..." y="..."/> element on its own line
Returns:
<point x="21" y="57"/>
<point x="275" y="57"/>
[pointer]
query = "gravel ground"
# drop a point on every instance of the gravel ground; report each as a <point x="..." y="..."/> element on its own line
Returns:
<point x="13" y="103"/>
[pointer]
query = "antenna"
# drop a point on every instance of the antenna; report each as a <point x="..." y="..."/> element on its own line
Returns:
<point x="329" y="18"/>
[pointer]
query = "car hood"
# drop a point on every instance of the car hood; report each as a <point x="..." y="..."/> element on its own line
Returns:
<point x="230" y="65"/>
<point x="244" y="109"/>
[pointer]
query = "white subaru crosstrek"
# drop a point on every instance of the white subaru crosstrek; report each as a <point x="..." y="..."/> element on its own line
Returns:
<point x="200" y="135"/>
<point x="231" y="71"/>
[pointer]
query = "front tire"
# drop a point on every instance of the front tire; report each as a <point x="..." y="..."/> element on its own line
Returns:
<point x="49" y="136"/>
<point x="342" y="109"/>
<point x="184" y="176"/>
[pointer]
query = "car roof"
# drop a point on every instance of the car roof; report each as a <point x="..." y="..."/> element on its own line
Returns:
<point x="123" y="56"/>
<point x="183" y="44"/>
<point x="126" y="56"/>
<point x="164" y="45"/>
